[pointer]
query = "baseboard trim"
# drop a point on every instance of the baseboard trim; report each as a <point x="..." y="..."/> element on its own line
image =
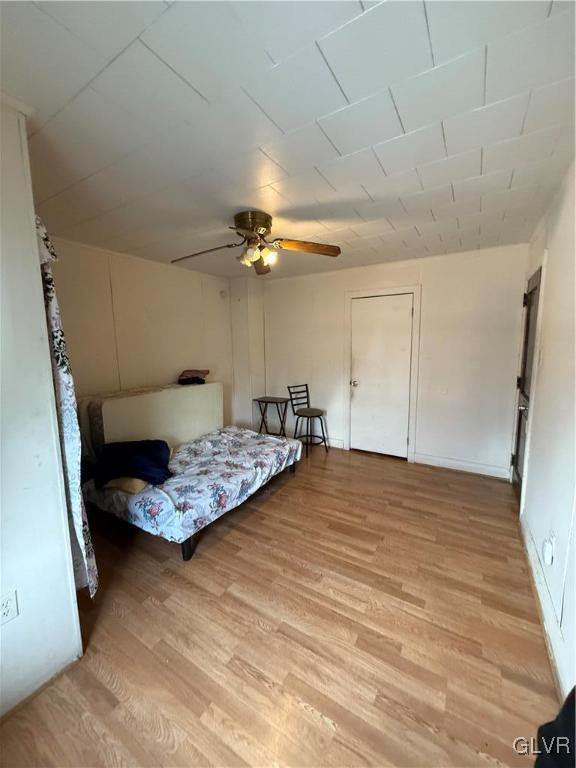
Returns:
<point x="463" y="466"/>
<point x="547" y="615"/>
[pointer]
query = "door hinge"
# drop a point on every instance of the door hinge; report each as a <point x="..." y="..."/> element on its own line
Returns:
<point x="512" y="457"/>
<point x="525" y="300"/>
<point x="518" y="382"/>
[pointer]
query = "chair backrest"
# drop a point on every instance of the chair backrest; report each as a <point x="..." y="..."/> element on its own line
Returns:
<point x="299" y="396"/>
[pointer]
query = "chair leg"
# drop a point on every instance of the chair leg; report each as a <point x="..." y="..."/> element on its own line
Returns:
<point x="321" y="419"/>
<point x="296" y="427"/>
<point x="189" y="546"/>
<point x="308" y="420"/>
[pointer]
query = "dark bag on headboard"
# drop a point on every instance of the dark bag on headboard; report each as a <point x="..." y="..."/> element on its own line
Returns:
<point x="193" y="376"/>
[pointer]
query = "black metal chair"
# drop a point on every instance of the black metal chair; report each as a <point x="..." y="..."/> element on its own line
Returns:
<point x="300" y="402"/>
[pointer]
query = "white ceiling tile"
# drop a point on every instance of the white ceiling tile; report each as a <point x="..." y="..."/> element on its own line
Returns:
<point x="298" y="90"/>
<point x="450" y="169"/>
<point x="427" y="200"/>
<point x="408" y="237"/>
<point x="457" y="27"/>
<point x="441" y="92"/>
<point x="527" y="148"/>
<point x="302" y="149"/>
<point x="351" y="171"/>
<point x="386" y="44"/>
<point x="366" y="122"/>
<point x="392" y="186"/>
<point x="509" y="198"/>
<point x="412" y="149"/>
<point x="565" y="141"/>
<point x="563" y="6"/>
<point x="538" y="55"/>
<point x="87" y="135"/>
<point x="550" y="105"/>
<point x="440" y="229"/>
<point x="43" y="64"/>
<point x="371" y="228"/>
<point x="305" y="188"/>
<point x="109" y="26"/>
<point x="285" y="27"/>
<point x="392" y="210"/>
<point x="486" y="125"/>
<point x="252" y="169"/>
<point x="233" y="124"/>
<point x="135" y="175"/>
<point x="548" y="171"/>
<point x="139" y="82"/>
<point x="475" y="187"/>
<point x="454" y="210"/>
<point x="206" y="44"/>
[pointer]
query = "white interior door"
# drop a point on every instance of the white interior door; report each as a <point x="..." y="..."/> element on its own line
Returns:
<point x="380" y="381"/>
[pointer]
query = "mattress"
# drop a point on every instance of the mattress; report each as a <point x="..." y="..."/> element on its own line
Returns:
<point x="212" y="475"/>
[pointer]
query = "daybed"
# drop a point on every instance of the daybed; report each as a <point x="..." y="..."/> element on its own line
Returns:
<point x="212" y="475"/>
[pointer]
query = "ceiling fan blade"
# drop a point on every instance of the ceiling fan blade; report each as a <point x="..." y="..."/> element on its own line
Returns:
<point x="260" y="267"/>
<point x="307" y="247"/>
<point x="208" y="250"/>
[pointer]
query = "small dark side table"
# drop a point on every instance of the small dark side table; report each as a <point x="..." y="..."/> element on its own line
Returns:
<point x="281" y="404"/>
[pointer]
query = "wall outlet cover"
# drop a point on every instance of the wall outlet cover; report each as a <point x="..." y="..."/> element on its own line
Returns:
<point x="8" y="607"/>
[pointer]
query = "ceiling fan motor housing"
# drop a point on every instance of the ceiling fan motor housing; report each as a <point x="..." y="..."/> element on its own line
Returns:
<point x="256" y="222"/>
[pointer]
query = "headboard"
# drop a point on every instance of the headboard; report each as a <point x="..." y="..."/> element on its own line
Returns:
<point x="176" y="414"/>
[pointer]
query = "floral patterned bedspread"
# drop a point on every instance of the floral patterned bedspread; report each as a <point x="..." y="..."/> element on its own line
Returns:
<point x="212" y="475"/>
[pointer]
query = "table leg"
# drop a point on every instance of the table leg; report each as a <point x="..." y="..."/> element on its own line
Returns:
<point x="263" y="423"/>
<point x="282" y="417"/>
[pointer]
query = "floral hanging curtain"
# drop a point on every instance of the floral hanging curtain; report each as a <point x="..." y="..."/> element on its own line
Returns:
<point x="85" y="571"/>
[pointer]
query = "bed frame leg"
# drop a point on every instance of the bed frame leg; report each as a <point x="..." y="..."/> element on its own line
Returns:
<point x="293" y="468"/>
<point x="189" y="546"/>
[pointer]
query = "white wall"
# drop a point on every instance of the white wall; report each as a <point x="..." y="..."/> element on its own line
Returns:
<point x="548" y="493"/>
<point x="134" y="323"/>
<point x="247" y="317"/>
<point x="34" y="541"/>
<point x="470" y="340"/>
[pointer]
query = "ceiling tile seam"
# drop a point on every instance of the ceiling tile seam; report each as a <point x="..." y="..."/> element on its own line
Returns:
<point x="329" y="139"/>
<point x="444" y="138"/>
<point x="485" y="74"/>
<point x="481" y="161"/>
<point x="277" y="164"/>
<point x="511" y="178"/>
<point x="368" y="195"/>
<point x="550" y="9"/>
<point x="261" y="108"/>
<point x="526" y="112"/>
<point x="453" y="193"/>
<point x="429" y="35"/>
<point x="319" y="172"/>
<point x="378" y="161"/>
<point x="338" y="83"/>
<point x="419" y="178"/>
<point x="174" y="71"/>
<point x="397" y="111"/>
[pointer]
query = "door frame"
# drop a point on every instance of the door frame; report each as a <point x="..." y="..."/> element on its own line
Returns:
<point x="368" y="293"/>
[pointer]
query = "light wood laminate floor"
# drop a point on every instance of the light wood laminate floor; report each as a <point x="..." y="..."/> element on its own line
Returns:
<point x="364" y="611"/>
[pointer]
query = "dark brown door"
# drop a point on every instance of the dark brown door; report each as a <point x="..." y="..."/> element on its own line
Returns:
<point x="531" y="298"/>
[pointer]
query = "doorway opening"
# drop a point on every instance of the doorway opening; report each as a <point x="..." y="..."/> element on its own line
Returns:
<point x="525" y="379"/>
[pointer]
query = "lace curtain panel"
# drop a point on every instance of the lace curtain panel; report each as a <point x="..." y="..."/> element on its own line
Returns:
<point x="85" y="571"/>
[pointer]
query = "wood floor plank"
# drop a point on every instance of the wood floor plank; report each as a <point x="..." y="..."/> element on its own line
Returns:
<point x="364" y="612"/>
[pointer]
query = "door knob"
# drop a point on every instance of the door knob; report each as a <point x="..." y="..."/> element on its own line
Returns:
<point x="354" y="383"/>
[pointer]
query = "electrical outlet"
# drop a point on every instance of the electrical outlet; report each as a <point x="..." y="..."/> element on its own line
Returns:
<point x="8" y="607"/>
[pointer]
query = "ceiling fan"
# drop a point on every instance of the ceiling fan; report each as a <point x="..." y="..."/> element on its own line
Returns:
<point x="254" y="227"/>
